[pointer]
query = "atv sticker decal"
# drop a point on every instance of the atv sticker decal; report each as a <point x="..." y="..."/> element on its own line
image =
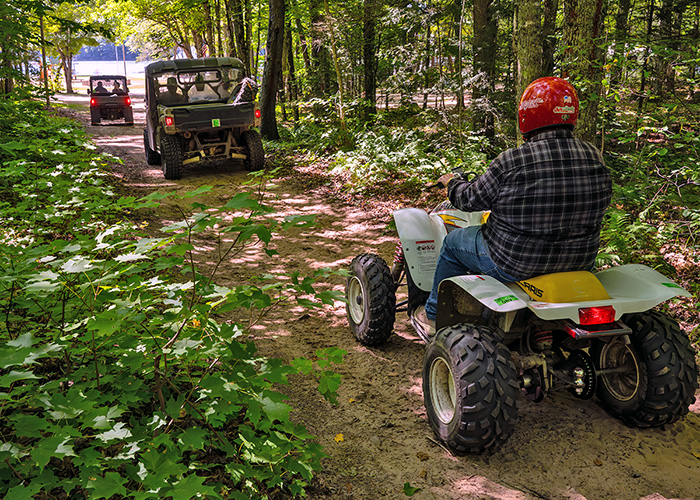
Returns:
<point x="504" y="300"/>
<point x="537" y="292"/>
<point x="215" y="122"/>
<point x="671" y="285"/>
<point x="451" y="220"/>
<point x="427" y="255"/>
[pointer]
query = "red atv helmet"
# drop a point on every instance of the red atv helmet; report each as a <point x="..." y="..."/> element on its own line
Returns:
<point x="547" y="102"/>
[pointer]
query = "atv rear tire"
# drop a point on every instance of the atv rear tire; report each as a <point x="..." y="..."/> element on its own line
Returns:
<point x="470" y="389"/>
<point x="172" y="156"/>
<point x="371" y="295"/>
<point x="152" y="157"/>
<point x="660" y="379"/>
<point x="254" y="151"/>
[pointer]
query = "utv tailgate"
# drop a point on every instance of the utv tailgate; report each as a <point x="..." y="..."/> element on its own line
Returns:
<point x="212" y="116"/>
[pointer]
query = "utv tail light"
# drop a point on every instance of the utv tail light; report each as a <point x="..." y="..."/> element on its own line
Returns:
<point x="596" y="315"/>
<point x="169" y="121"/>
<point x="93" y="102"/>
<point x="258" y="114"/>
<point x="128" y="101"/>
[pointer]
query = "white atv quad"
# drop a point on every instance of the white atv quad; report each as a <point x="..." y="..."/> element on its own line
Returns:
<point x="590" y="334"/>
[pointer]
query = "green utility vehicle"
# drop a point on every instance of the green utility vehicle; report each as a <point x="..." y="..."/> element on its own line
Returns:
<point x="200" y="109"/>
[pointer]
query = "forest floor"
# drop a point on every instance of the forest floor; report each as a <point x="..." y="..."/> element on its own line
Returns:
<point x="378" y="438"/>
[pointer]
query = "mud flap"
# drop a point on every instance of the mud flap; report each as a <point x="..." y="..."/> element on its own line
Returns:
<point x="462" y="299"/>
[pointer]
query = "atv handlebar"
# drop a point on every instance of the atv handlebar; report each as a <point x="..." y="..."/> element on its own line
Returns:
<point x="466" y="176"/>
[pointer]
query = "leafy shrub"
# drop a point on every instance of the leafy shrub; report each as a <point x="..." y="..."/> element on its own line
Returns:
<point x="387" y="159"/>
<point x="117" y="376"/>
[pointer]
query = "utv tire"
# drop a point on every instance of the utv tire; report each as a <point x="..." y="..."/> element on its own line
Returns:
<point x="172" y="156"/>
<point x="470" y="389"/>
<point x="660" y="379"/>
<point x="371" y="295"/>
<point x="152" y="157"/>
<point x="255" y="160"/>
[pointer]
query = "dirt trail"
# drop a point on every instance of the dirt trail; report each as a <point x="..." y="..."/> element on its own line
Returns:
<point x="563" y="448"/>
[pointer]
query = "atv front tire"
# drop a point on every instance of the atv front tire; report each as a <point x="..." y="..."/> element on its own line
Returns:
<point x="152" y="157"/>
<point x="470" y="389"/>
<point x="651" y="381"/>
<point x="172" y="157"/>
<point x="254" y="151"/>
<point x="371" y="295"/>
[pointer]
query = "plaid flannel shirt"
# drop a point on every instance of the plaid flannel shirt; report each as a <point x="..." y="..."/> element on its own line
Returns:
<point x="547" y="200"/>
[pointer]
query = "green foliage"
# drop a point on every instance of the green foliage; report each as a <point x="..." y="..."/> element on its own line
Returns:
<point x="409" y="490"/>
<point x="386" y="157"/>
<point x="655" y="196"/>
<point x="119" y="374"/>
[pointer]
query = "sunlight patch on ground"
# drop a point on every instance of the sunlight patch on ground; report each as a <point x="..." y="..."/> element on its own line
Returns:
<point x="695" y="407"/>
<point x="359" y="348"/>
<point x="417" y="389"/>
<point x="481" y="487"/>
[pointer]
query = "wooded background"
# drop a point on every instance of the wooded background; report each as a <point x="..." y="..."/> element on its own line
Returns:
<point x="395" y="93"/>
<point x="450" y="55"/>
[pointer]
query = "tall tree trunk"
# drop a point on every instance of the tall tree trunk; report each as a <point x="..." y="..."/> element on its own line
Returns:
<point x="301" y="32"/>
<point x="248" y="19"/>
<point x="694" y="35"/>
<point x="670" y="28"/>
<point x="370" y="60"/>
<point x="292" y="91"/>
<point x="336" y="64"/>
<point x="527" y="39"/>
<point x="484" y="48"/>
<point x="219" y="43"/>
<point x="426" y="59"/>
<point x="67" y="67"/>
<point x="583" y="60"/>
<point x="230" y="31"/>
<point x="549" y="27"/>
<point x="210" y="42"/>
<point x="320" y="60"/>
<point x="620" y="38"/>
<point x="272" y="71"/>
<point x="458" y="25"/>
<point x="242" y="50"/>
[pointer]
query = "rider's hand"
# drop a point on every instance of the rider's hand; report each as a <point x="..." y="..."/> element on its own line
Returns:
<point x="444" y="180"/>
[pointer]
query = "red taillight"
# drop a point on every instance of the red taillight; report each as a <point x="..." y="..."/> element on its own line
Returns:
<point x="596" y="315"/>
<point x="169" y="121"/>
<point x="257" y="113"/>
<point x="92" y="102"/>
<point x="128" y="101"/>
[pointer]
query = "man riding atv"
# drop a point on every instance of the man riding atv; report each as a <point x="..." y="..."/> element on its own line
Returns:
<point x="547" y="199"/>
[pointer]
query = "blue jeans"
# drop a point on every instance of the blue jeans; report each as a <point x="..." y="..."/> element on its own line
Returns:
<point x="464" y="251"/>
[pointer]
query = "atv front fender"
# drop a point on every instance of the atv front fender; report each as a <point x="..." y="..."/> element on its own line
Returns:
<point x="421" y="240"/>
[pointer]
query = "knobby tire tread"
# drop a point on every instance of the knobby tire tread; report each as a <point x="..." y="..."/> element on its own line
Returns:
<point x="486" y="413"/>
<point x="171" y="155"/>
<point x="256" y="154"/>
<point x="381" y="312"/>
<point x="672" y="374"/>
